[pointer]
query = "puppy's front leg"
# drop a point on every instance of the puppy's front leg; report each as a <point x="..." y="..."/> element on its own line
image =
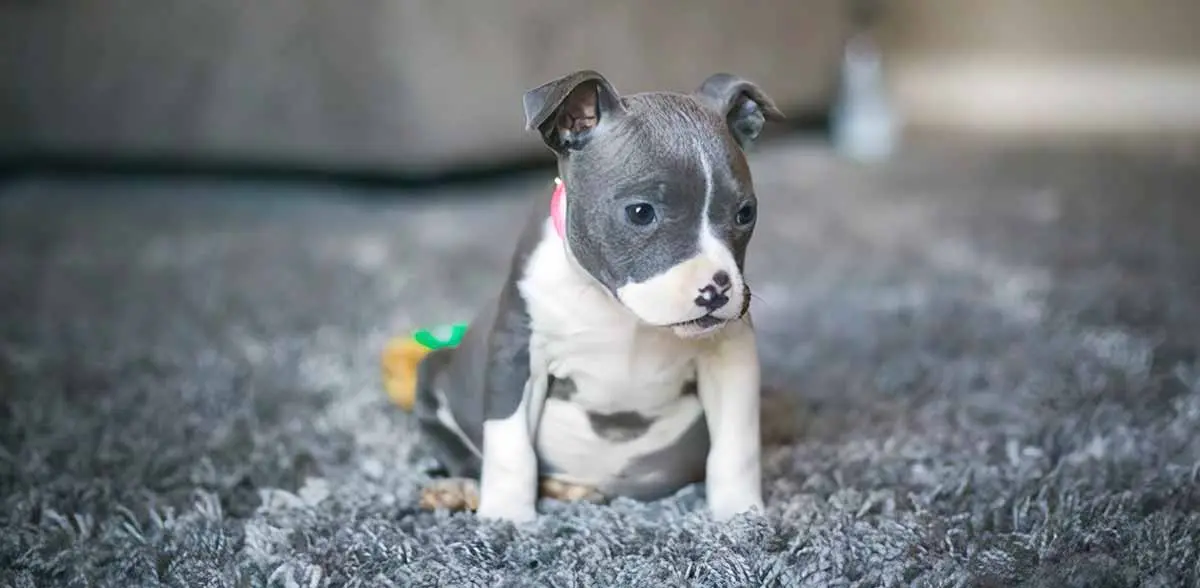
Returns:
<point x="729" y="389"/>
<point x="508" y="484"/>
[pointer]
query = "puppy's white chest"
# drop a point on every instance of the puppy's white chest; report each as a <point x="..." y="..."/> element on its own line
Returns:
<point x="622" y="413"/>
<point x="618" y="367"/>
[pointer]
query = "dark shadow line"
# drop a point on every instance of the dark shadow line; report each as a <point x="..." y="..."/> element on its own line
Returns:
<point x="380" y="180"/>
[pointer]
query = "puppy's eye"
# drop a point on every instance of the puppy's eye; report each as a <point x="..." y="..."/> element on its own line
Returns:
<point x="640" y="214"/>
<point x="745" y="215"/>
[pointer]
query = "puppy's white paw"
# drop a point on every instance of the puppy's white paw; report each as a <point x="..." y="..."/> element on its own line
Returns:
<point x="724" y="510"/>
<point x="510" y="512"/>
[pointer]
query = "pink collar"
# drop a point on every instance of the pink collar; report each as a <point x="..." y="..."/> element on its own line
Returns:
<point x="558" y="210"/>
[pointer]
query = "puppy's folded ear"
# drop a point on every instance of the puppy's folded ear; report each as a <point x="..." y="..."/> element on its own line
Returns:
<point x="744" y="106"/>
<point x="566" y="111"/>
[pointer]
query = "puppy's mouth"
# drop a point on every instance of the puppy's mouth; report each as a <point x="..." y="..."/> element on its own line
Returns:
<point x="707" y="321"/>
<point x="698" y="327"/>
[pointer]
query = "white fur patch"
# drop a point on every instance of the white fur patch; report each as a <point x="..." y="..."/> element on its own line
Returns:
<point x="670" y="297"/>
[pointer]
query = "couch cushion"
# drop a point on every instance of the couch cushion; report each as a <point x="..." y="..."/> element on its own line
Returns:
<point x="408" y="86"/>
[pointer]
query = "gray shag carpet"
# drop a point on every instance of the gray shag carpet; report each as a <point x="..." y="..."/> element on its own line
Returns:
<point x="982" y="369"/>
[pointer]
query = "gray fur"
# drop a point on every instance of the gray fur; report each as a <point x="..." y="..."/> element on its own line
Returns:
<point x="544" y="106"/>
<point x="453" y="454"/>
<point x="674" y="466"/>
<point x="652" y="154"/>
<point x="689" y="389"/>
<point x="625" y="425"/>
<point x="561" y="388"/>
<point x="745" y="107"/>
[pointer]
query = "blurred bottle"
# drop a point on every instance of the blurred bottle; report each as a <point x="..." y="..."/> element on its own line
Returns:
<point x="864" y="122"/>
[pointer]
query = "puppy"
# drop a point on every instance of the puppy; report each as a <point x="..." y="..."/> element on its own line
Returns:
<point x="618" y="358"/>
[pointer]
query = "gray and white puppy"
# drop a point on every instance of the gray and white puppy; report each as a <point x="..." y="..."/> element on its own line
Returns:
<point x="619" y="356"/>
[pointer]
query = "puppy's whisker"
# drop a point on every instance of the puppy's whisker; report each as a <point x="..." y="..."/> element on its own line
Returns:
<point x="754" y="295"/>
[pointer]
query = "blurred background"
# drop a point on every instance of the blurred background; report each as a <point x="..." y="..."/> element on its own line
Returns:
<point x="415" y="89"/>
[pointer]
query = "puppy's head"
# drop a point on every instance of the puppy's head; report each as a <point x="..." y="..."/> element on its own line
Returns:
<point x="660" y="205"/>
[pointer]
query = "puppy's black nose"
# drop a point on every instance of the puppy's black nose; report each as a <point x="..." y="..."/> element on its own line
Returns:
<point x="711" y="299"/>
<point x="721" y="279"/>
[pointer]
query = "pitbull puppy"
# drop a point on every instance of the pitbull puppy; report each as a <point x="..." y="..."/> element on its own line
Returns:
<point x="618" y="358"/>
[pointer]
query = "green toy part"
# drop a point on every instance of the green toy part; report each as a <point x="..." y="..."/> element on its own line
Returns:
<point x="440" y="336"/>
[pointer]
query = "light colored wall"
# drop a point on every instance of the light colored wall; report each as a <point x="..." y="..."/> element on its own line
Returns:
<point x="1046" y="65"/>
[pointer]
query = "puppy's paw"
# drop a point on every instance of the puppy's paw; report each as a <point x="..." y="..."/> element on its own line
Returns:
<point x="724" y="510"/>
<point x="568" y="492"/>
<point x="454" y="494"/>
<point x="513" y="513"/>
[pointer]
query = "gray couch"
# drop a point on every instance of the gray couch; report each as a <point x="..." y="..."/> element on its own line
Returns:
<point x="406" y="86"/>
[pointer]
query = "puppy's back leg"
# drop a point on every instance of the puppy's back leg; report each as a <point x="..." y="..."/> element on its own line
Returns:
<point x="567" y="491"/>
<point x="451" y="494"/>
<point x="444" y="439"/>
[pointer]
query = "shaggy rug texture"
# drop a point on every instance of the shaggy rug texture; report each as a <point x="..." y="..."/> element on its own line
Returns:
<point x="981" y="369"/>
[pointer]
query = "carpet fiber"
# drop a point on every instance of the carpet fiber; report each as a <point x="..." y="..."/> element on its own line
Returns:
<point x="981" y="368"/>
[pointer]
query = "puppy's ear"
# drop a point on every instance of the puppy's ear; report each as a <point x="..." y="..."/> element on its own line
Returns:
<point x="744" y="106"/>
<point x="565" y="111"/>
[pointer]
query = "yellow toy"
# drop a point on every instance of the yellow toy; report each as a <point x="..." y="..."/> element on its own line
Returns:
<point x="403" y="355"/>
